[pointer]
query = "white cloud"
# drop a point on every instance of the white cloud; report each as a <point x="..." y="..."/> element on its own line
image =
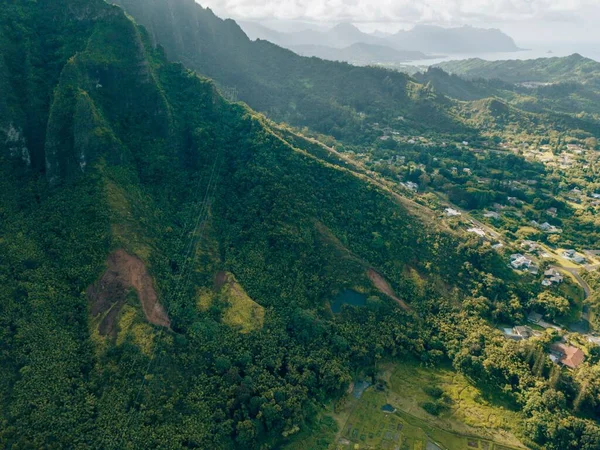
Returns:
<point x="449" y="12"/>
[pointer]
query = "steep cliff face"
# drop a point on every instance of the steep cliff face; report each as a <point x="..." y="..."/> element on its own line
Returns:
<point x="36" y="41"/>
<point x="106" y="90"/>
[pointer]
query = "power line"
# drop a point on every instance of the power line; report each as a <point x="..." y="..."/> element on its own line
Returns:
<point x="203" y="212"/>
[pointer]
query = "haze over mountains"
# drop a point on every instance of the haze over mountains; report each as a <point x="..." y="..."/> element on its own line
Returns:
<point x="345" y="42"/>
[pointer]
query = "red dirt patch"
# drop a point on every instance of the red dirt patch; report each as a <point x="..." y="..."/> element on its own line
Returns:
<point x="109" y="294"/>
<point x="384" y="287"/>
<point x="220" y="280"/>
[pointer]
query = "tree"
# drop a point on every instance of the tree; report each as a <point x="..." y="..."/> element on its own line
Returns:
<point x="552" y="305"/>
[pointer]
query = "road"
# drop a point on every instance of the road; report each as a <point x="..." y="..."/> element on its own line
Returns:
<point x="388" y="187"/>
<point x="575" y="272"/>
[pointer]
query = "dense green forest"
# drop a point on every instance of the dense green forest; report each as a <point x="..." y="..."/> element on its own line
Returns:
<point x="169" y="257"/>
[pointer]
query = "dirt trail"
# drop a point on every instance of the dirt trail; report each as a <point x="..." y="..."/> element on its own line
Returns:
<point x="109" y="294"/>
<point x="384" y="287"/>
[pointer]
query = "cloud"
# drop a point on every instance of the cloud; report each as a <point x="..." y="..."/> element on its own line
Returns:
<point x="449" y="12"/>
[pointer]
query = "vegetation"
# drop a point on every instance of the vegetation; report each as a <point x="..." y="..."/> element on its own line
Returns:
<point x="248" y="231"/>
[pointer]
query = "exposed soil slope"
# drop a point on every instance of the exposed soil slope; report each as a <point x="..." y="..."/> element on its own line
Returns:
<point x="109" y="294"/>
<point x="383" y="286"/>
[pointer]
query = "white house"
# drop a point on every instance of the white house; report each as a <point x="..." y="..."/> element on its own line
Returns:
<point x="491" y="215"/>
<point x="477" y="231"/>
<point x="451" y="212"/>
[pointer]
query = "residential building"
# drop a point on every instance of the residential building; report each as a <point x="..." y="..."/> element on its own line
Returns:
<point x="492" y="215"/>
<point x="524" y="331"/>
<point x="477" y="231"/>
<point x="520" y="262"/>
<point x="569" y="356"/>
<point x="411" y="186"/>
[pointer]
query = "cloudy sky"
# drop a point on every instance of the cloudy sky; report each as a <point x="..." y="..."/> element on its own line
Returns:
<point x="525" y="20"/>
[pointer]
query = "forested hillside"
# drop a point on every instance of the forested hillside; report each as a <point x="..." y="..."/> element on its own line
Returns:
<point x="574" y="68"/>
<point x="146" y="162"/>
<point x="170" y="259"/>
<point x="331" y="98"/>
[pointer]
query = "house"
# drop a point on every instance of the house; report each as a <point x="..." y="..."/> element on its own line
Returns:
<point x="533" y="269"/>
<point x="529" y="245"/>
<point x="534" y="317"/>
<point x="410" y="185"/>
<point x="477" y="231"/>
<point x="467" y="171"/>
<point x="567" y="355"/>
<point x="465" y="143"/>
<point x="524" y="331"/>
<point x="578" y="259"/>
<point x="596" y="196"/>
<point x="498" y="246"/>
<point x="451" y="212"/>
<point x="492" y="215"/>
<point x="521" y="262"/>
<point x="546" y="227"/>
<point x="552" y="276"/>
<point x="552" y="212"/>
<point x="569" y="253"/>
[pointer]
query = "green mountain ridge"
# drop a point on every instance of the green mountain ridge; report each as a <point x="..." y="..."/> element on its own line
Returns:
<point x="124" y="176"/>
<point x="331" y="98"/>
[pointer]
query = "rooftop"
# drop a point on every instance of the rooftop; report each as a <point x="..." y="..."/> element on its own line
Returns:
<point x="571" y="356"/>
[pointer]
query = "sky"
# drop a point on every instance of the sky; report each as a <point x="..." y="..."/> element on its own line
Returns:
<point x="527" y="21"/>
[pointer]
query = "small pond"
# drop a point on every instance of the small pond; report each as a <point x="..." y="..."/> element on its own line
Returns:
<point x="348" y="297"/>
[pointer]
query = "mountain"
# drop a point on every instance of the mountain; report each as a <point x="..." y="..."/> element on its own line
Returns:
<point x="567" y="97"/>
<point x="330" y="98"/>
<point x="422" y="38"/>
<point x="343" y="42"/>
<point x="466" y="39"/>
<point x="574" y="68"/>
<point x="175" y="266"/>
<point x="457" y="87"/>
<point x="359" y="54"/>
<point x="169" y="257"/>
<point x="340" y="36"/>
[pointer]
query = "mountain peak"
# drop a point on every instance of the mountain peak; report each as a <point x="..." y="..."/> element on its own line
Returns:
<point x="345" y="27"/>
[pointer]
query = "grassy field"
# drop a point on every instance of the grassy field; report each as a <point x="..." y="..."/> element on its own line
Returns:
<point x="469" y="421"/>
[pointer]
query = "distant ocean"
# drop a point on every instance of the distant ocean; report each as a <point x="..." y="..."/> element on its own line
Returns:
<point x="534" y="50"/>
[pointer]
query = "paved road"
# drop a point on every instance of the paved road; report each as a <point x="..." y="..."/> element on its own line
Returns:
<point x="575" y="272"/>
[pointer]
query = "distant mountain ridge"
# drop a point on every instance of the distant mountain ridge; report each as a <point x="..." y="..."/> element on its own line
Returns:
<point x="466" y="39"/>
<point x="422" y="38"/>
<point x="331" y="98"/>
